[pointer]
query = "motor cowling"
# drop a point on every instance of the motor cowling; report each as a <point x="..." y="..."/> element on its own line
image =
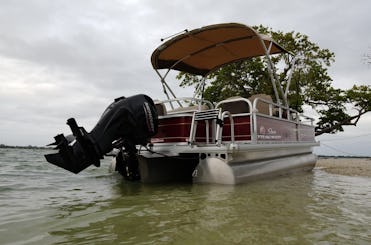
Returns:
<point x="126" y="122"/>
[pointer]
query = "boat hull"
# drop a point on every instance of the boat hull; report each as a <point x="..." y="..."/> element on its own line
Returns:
<point x="216" y="170"/>
<point x="231" y="165"/>
<point x="160" y="169"/>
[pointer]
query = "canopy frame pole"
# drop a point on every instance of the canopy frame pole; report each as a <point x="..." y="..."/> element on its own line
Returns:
<point x="200" y="89"/>
<point x="293" y="65"/>
<point x="273" y="75"/>
<point x="270" y="71"/>
<point x="166" y="87"/>
<point x="276" y="78"/>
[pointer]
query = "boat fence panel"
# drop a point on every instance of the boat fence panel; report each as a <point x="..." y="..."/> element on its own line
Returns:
<point x="270" y="123"/>
<point x="273" y="129"/>
<point x="305" y="133"/>
<point x="242" y="128"/>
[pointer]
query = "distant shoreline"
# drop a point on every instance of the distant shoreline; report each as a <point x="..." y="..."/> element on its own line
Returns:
<point x="343" y="165"/>
<point x="2" y="146"/>
<point x="325" y="157"/>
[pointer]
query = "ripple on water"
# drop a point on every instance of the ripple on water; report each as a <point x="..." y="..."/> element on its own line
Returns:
<point x="41" y="204"/>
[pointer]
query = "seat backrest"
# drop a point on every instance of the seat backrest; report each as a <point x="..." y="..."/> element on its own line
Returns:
<point x="262" y="106"/>
<point x="235" y="106"/>
<point x="187" y="109"/>
<point x="161" y="108"/>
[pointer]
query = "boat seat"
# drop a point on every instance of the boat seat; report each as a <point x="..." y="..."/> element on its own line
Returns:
<point x="188" y="109"/>
<point x="161" y="108"/>
<point x="262" y="106"/>
<point x="236" y="106"/>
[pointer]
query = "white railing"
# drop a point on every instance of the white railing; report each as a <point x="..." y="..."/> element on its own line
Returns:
<point x="215" y="118"/>
<point x="186" y="104"/>
<point x="219" y="131"/>
<point x="266" y="108"/>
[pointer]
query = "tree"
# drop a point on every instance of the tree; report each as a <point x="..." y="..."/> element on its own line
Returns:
<point x="310" y="84"/>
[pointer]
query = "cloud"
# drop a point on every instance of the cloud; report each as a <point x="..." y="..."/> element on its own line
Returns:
<point x="61" y="59"/>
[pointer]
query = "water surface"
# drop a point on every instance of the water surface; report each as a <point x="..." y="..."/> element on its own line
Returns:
<point x="42" y="204"/>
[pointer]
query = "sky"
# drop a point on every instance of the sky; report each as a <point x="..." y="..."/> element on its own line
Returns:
<point x="62" y="59"/>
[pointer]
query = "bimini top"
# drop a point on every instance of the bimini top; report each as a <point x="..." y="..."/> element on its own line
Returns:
<point x="203" y="50"/>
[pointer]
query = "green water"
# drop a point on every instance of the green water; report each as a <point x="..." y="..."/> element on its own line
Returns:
<point x="41" y="204"/>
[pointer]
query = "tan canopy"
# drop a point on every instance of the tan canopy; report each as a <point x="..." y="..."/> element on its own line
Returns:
<point x="205" y="49"/>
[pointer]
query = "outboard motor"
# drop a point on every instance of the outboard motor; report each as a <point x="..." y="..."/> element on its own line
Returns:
<point x="127" y="122"/>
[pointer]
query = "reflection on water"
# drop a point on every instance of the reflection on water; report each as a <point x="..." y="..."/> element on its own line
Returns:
<point x="41" y="205"/>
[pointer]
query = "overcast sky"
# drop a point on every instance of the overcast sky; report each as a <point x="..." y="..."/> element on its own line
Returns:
<point x="62" y="59"/>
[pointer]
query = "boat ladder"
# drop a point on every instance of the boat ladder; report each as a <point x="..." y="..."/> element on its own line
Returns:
<point x="216" y="117"/>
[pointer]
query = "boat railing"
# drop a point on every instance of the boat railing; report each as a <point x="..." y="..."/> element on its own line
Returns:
<point x="237" y="119"/>
<point x="230" y="108"/>
<point x="259" y="107"/>
<point x="219" y="131"/>
<point x="305" y="119"/>
<point x="282" y="112"/>
<point x="271" y="109"/>
<point x="184" y="104"/>
<point x="235" y="105"/>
